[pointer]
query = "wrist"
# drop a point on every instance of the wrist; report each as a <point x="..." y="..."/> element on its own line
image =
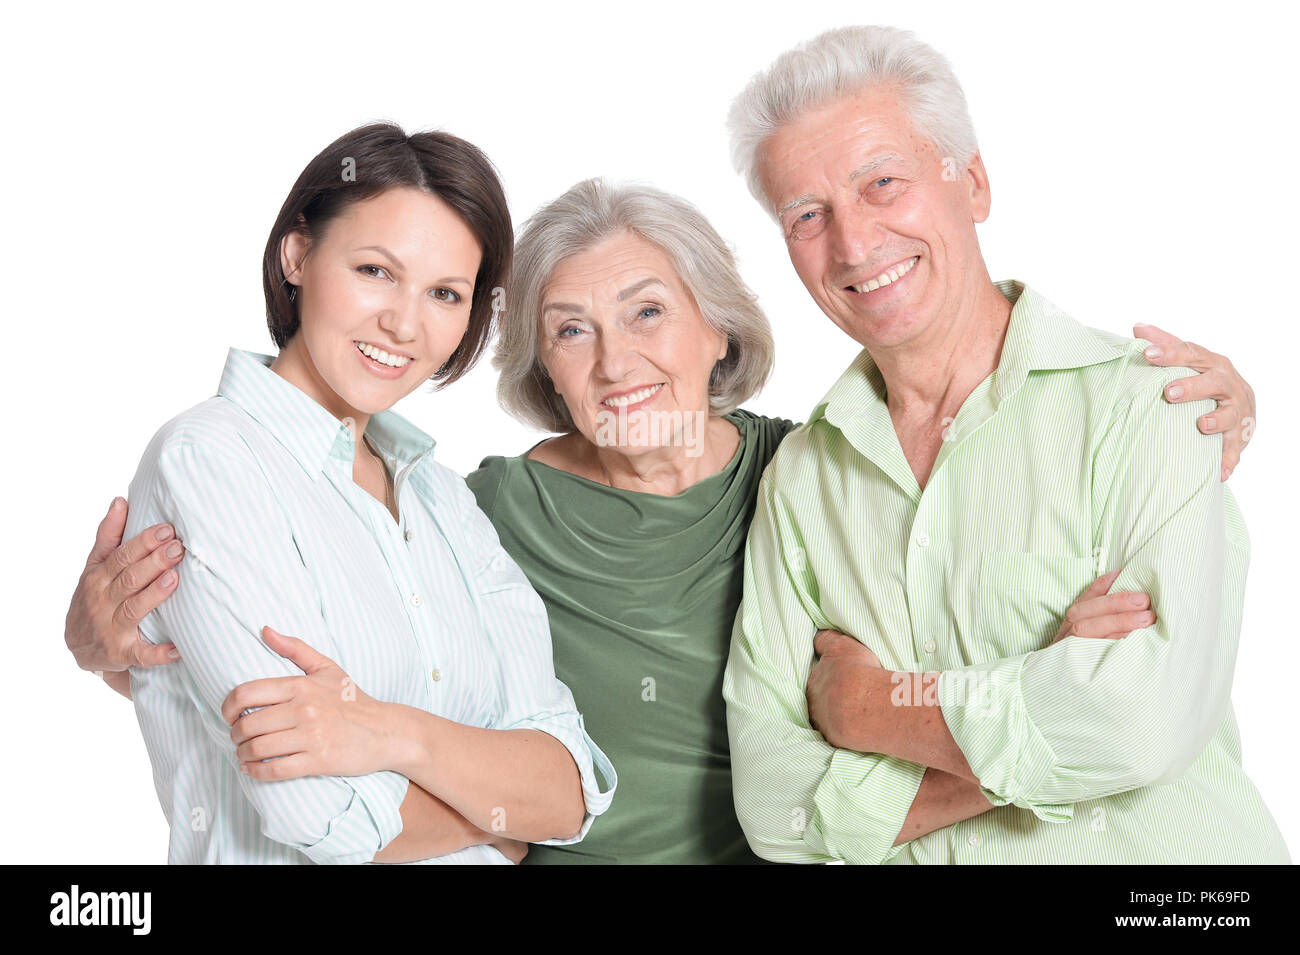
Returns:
<point x="396" y="735"/>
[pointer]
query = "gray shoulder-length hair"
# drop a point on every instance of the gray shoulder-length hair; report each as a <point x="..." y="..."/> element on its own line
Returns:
<point x="588" y="213"/>
<point x="839" y="63"/>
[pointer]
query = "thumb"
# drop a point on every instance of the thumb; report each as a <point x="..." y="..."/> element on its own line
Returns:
<point x="294" y="650"/>
<point x="108" y="536"/>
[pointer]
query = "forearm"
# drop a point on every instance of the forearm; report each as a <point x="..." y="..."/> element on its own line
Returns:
<point x="430" y="828"/>
<point x="942" y="800"/>
<point x="119" y="680"/>
<point x="522" y="784"/>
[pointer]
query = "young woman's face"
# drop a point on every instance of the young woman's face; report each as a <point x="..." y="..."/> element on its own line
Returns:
<point x="383" y="300"/>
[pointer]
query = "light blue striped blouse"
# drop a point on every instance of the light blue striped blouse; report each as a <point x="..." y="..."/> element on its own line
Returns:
<point x="431" y="613"/>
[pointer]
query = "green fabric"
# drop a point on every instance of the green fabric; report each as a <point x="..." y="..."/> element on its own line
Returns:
<point x="1064" y="463"/>
<point x="642" y="591"/>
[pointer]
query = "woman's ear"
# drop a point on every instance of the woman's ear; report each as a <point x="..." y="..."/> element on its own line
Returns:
<point x="293" y="252"/>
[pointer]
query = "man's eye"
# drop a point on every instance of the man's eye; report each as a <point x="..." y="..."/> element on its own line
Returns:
<point x="884" y="181"/>
<point x="807" y="216"/>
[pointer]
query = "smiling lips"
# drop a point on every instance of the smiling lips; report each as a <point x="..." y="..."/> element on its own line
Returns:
<point x="381" y="356"/>
<point x="887" y="277"/>
<point x="631" y="397"/>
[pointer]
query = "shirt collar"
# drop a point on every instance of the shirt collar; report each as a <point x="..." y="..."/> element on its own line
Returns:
<point x="1040" y="337"/>
<point x="306" y="429"/>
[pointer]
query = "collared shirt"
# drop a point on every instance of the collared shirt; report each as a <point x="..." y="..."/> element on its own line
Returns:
<point x="1064" y="463"/>
<point x="429" y="612"/>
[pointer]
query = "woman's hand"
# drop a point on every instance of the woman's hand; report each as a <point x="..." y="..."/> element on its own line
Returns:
<point x="1218" y="379"/>
<point x="319" y="724"/>
<point x="120" y="586"/>
<point x="1099" y="615"/>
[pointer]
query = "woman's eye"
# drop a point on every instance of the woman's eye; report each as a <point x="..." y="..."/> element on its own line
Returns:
<point x="446" y="295"/>
<point x="564" y="332"/>
<point x="650" y="311"/>
<point x="376" y="271"/>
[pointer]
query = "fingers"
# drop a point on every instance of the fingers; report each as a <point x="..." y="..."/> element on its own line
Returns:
<point x="1173" y="352"/>
<point x="266" y="692"/>
<point x="136" y="549"/>
<point x="1113" y="626"/>
<point x="289" y="767"/>
<point x="1107" y="604"/>
<point x="1156" y="336"/>
<point x="296" y="651"/>
<point x="143" y="573"/>
<point x="134" y="608"/>
<point x="109" y="533"/>
<point x="1098" y="587"/>
<point x="272" y="745"/>
<point x="825" y="639"/>
<point x="270" y="719"/>
<point x="152" y="655"/>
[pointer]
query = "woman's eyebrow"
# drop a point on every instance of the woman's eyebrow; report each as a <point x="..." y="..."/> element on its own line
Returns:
<point x="382" y="251"/>
<point x="633" y="289"/>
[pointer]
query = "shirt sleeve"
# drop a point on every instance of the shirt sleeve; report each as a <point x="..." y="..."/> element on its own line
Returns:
<point x="1087" y="718"/>
<point x="532" y="697"/>
<point x="798" y="798"/>
<point x="242" y="571"/>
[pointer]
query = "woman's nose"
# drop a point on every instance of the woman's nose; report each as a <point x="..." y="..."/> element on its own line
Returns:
<point x="616" y="358"/>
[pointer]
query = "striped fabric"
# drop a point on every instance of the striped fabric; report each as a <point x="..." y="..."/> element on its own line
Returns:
<point x="430" y="613"/>
<point x="1064" y="463"/>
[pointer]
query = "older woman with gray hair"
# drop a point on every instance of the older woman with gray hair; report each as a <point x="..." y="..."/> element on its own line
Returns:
<point x="630" y="334"/>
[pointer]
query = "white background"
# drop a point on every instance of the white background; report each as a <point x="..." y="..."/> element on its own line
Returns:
<point x="1144" y="167"/>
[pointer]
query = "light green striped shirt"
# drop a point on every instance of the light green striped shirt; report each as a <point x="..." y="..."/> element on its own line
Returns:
<point x="1062" y="464"/>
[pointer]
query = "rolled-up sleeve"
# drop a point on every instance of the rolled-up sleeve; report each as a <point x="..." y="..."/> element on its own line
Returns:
<point x="798" y="798"/>
<point x="532" y="696"/>
<point x="231" y="585"/>
<point x="1087" y="718"/>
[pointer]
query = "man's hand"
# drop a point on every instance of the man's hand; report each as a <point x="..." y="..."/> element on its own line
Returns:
<point x="120" y="586"/>
<point x="1234" y="417"/>
<point x="845" y="686"/>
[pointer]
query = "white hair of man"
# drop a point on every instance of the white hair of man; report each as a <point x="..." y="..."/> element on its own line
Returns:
<point x="840" y="63"/>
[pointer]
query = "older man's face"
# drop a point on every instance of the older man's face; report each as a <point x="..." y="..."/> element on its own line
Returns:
<point x="879" y="225"/>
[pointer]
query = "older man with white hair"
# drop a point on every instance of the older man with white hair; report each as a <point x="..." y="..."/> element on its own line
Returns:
<point x="979" y="464"/>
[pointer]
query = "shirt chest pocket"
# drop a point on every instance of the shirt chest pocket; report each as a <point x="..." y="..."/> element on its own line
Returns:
<point x="1024" y="596"/>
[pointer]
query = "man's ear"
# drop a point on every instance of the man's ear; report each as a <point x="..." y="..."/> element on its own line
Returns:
<point x="293" y="252"/>
<point x="981" y="198"/>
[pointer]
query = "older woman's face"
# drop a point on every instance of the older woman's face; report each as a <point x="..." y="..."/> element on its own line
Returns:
<point x="622" y="338"/>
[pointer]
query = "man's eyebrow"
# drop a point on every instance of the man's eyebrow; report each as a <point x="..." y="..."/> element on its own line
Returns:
<point x="868" y="168"/>
<point x="631" y="290"/>
<point x="382" y="251"/>
<point x="794" y="204"/>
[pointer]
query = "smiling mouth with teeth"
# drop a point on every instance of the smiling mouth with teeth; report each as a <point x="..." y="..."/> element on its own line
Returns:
<point x="632" y="397"/>
<point x="887" y="278"/>
<point x="381" y="356"/>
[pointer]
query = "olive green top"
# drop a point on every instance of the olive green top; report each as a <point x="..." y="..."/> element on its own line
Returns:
<point x="642" y="592"/>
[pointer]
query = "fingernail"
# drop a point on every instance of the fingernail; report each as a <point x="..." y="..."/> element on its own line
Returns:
<point x="1146" y="617"/>
<point x="1175" y="392"/>
<point x="1227" y="473"/>
<point x="1153" y="352"/>
<point x="162" y="533"/>
<point x="116" y="502"/>
<point x="174" y="549"/>
<point x="1209" y="424"/>
<point x="168" y="579"/>
<point x="173" y="654"/>
<point x="1137" y="599"/>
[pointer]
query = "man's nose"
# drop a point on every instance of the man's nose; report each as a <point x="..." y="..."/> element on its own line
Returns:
<point x="855" y="233"/>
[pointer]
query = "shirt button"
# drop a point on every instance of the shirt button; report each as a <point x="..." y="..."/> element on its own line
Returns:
<point x="437" y="674"/>
<point x="408" y="535"/>
<point x="974" y="840"/>
<point x="923" y="540"/>
<point x="415" y="600"/>
<point x="929" y="646"/>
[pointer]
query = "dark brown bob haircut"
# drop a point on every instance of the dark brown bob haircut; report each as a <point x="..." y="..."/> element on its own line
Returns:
<point x="369" y="160"/>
